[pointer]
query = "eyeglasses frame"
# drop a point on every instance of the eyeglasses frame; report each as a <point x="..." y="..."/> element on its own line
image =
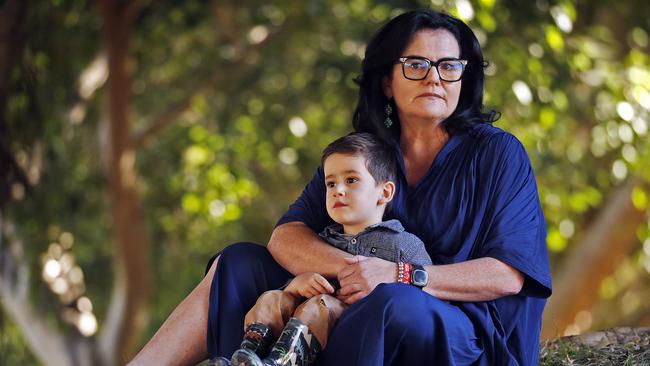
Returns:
<point x="402" y="60"/>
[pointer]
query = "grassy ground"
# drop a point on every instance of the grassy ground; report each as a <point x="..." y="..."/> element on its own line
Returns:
<point x="621" y="346"/>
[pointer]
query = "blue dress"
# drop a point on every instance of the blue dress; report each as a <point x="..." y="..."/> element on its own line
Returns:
<point x="478" y="199"/>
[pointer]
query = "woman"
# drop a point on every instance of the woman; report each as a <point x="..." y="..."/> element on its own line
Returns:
<point x="464" y="187"/>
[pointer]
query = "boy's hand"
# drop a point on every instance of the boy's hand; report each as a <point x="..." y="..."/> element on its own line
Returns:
<point x="309" y="284"/>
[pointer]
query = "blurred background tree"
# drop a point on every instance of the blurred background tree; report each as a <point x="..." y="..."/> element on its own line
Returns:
<point x="137" y="138"/>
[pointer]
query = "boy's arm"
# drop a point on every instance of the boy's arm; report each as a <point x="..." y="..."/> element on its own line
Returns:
<point x="298" y="249"/>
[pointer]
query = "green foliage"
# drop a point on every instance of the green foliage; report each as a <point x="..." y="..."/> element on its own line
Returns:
<point x="267" y="86"/>
<point x="15" y="351"/>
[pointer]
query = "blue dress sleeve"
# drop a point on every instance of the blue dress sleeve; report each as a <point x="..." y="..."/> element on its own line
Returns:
<point x="516" y="230"/>
<point x="310" y="208"/>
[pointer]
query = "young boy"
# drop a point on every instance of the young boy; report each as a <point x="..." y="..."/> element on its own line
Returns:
<point x="359" y="173"/>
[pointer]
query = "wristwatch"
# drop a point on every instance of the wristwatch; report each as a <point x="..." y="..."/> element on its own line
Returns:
<point x="419" y="276"/>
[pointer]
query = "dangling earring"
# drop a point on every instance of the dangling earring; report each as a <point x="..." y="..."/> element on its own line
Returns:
<point x="388" y="122"/>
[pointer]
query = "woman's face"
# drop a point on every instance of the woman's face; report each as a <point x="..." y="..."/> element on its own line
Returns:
<point x="430" y="99"/>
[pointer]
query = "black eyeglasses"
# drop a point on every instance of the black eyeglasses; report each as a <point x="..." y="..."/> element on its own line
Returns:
<point x="417" y="68"/>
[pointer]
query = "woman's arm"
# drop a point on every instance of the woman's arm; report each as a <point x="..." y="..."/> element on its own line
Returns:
<point x="479" y="279"/>
<point x="298" y="249"/>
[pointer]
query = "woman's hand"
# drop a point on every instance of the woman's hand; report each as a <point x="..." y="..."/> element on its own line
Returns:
<point x="309" y="285"/>
<point x="362" y="275"/>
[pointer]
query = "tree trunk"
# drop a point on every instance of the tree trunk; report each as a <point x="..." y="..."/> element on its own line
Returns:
<point x="47" y="344"/>
<point x="126" y="316"/>
<point x="603" y="244"/>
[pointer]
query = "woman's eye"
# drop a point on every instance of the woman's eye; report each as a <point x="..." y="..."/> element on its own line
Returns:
<point x="417" y="65"/>
<point x="451" y="65"/>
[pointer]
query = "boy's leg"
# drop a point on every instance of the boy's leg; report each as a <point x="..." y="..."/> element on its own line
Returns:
<point x="273" y="309"/>
<point x="264" y="323"/>
<point x="305" y="334"/>
<point x="320" y="314"/>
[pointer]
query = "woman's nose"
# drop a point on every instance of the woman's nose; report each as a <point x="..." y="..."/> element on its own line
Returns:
<point x="433" y="77"/>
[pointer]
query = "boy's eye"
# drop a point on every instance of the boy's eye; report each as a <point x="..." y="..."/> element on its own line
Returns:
<point x="329" y="184"/>
<point x="351" y="180"/>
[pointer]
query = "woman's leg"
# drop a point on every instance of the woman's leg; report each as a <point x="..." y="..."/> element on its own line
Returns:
<point x="398" y="324"/>
<point x="216" y="307"/>
<point x="181" y="338"/>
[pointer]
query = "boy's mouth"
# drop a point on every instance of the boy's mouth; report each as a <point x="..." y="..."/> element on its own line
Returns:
<point x="339" y="204"/>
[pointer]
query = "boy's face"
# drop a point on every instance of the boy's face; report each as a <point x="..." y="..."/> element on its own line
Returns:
<point x="353" y="198"/>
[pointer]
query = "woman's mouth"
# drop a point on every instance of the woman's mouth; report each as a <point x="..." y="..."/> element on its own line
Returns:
<point x="430" y="95"/>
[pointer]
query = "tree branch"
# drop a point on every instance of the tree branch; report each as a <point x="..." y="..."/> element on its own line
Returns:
<point x="158" y="123"/>
<point x="168" y="116"/>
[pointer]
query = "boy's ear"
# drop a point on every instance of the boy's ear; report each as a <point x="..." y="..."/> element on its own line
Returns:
<point x="387" y="192"/>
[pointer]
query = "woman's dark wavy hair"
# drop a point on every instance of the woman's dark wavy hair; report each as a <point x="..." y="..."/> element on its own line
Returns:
<point x="387" y="45"/>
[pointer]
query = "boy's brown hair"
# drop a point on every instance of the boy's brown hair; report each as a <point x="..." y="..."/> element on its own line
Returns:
<point x="379" y="156"/>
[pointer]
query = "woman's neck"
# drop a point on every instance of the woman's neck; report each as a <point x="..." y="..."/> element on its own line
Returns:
<point x="422" y="141"/>
<point x="420" y="146"/>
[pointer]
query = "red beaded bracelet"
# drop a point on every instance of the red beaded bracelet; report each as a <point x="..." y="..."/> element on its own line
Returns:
<point x="407" y="273"/>
<point x="404" y="272"/>
<point x="400" y="271"/>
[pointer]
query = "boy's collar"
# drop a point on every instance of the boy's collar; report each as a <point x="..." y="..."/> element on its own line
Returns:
<point x="393" y="225"/>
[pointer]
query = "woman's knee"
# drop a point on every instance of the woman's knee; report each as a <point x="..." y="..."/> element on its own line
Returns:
<point x="249" y="267"/>
<point x="234" y="252"/>
<point x="209" y="273"/>
<point x="235" y="259"/>
<point x="402" y="303"/>
<point x="387" y="293"/>
<point x="243" y="251"/>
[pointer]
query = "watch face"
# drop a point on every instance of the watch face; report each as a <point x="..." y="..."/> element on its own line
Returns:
<point x="420" y="277"/>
